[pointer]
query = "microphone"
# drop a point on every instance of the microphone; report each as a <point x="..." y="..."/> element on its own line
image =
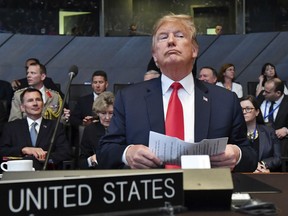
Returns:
<point x="73" y="71"/>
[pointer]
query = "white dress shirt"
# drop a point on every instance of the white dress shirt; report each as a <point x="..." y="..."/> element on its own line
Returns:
<point x="265" y="106"/>
<point x="236" y="87"/>
<point x="30" y="121"/>
<point x="187" y="98"/>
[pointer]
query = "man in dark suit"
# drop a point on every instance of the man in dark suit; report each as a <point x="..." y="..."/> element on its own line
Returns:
<point x="274" y="95"/>
<point x="82" y="113"/>
<point x="16" y="140"/>
<point x="208" y="111"/>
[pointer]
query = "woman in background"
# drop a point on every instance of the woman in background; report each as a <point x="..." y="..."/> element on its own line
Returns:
<point x="262" y="138"/>
<point x="103" y="109"/>
<point x="268" y="72"/>
<point x="226" y="79"/>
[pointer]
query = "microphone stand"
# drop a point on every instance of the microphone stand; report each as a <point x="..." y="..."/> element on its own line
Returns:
<point x="71" y="76"/>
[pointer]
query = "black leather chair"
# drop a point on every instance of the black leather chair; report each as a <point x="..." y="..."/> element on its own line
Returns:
<point x="251" y="88"/>
<point x="76" y="91"/>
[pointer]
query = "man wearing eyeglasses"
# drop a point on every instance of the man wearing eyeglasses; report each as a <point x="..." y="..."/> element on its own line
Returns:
<point x="274" y="106"/>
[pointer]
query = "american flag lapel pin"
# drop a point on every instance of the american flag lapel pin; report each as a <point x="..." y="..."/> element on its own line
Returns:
<point x="205" y="98"/>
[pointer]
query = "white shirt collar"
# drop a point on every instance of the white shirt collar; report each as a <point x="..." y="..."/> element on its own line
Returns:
<point x="187" y="83"/>
<point x="95" y="96"/>
<point x="30" y="121"/>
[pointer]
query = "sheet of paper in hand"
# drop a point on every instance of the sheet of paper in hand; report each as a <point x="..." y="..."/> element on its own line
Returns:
<point x="169" y="149"/>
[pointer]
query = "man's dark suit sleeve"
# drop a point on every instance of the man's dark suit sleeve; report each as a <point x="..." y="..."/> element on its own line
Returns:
<point x="3" y="117"/>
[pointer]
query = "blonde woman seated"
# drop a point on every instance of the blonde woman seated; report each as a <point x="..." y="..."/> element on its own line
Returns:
<point x="262" y="138"/>
<point x="226" y="77"/>
<point x="103" y="109"/>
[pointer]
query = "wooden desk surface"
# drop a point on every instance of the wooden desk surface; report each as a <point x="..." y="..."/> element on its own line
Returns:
<point x="277" y="180"/>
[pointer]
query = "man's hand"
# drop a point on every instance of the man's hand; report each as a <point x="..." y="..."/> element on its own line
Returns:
<point x="66" y="114"/>
<point x="141" y="157"/>
<point x="261" y="168"/>
<point x="15" y="84"/>
<point x="228" y="158"/>
<point x="282" y="132"/>
<point x="38" y="153"/>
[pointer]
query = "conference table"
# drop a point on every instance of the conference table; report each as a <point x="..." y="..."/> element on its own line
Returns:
<point x="280" y="199"/>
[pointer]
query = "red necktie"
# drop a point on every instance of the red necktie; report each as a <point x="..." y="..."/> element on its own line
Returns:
<point x="174" y="117"/>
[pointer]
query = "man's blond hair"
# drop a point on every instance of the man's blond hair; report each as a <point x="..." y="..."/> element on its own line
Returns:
<point x="185" y="20"/>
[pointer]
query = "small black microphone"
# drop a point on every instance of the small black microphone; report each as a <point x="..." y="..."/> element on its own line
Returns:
<point x="73" y="71"/>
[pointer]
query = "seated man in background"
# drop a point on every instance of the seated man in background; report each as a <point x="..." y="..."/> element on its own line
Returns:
<point x="208" y="74"/>
<point x="36" y="74"/>
<point x="23" y="83"/>
<point x="82" y="113"/>
<point x="30" y="137"/>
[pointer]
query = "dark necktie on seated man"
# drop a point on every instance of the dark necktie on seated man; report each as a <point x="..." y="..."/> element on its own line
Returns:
<point x="33" y="133"/>
<point x="270" y="113"/>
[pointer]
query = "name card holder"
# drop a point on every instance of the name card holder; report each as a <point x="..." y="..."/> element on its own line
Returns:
<point x="82" y="193"/>
<point x="207" y="189"/>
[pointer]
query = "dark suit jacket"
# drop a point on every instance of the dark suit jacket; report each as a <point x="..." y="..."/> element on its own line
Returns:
<point x="280" y="121"/>
<point x="82" y="109"/>
<point x="269" y="147"/>
<point x="138" y="109"/>
<point x="16" y="136"/>
<point x="6" y="94"/>
<point x="89" y="144"/>
<point x="3" y="117"/>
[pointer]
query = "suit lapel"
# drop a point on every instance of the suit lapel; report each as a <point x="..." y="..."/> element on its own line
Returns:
<point x="282" y="109"/>
<point x="25" y="131"/>
<point x="42" y="132"/>
<point x="154" y="103"/>
<point x="202" y="111"/>
<point x="261" y="133"/>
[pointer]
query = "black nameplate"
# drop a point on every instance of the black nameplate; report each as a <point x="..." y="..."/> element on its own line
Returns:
<point x="91" y="194"/>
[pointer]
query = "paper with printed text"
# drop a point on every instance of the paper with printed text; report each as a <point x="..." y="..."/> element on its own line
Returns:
<point x="169" y="149"/>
